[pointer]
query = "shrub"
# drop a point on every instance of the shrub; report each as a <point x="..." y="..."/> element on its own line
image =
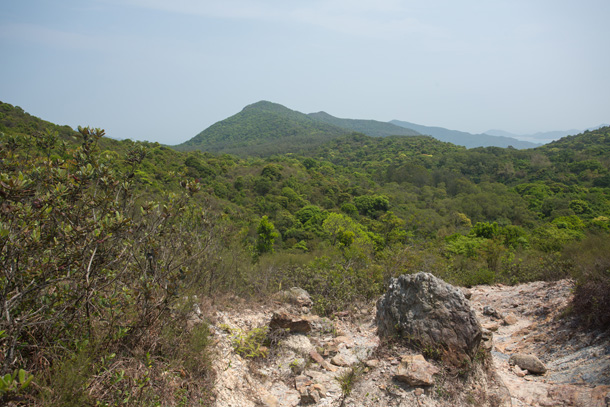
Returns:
<point x="333" y="287"/>
<point x="371" y="205"/>
<point x="479" y="277"/>
<point x="590" y="268"/>
<point x="485" y="230"/>
<point x="85" y="272"/>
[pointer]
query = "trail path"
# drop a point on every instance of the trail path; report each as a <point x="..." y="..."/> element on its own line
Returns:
<point x="529" y="320"/>
<point x="307" y="369"/>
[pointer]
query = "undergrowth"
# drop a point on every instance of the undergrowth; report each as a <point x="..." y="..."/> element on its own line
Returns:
<point x="590" y="268"/>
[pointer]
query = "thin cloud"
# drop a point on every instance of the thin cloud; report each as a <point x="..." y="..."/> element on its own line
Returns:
<point x="382" y="19"/>
<point x="382" y="27"/>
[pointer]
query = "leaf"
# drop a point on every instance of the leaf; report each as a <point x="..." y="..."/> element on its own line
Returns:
<point x="8" y="378"/>
<point x="27" y="382"/>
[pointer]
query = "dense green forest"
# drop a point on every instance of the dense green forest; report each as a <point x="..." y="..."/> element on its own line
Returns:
<point x="106" y="244"/>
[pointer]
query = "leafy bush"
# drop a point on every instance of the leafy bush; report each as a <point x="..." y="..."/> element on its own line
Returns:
<point x="371" y="205"/>
<point x="553" y="237"/>
<point x="85" y="271"/>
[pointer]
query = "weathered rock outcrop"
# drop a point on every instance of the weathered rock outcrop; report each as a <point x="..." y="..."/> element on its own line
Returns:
<point x="291" y="322"/>
<point x="316" y="368"/>
<point x="295" y="296"/>
<point x="527" y="362"/>
<point x="424" y="309"/>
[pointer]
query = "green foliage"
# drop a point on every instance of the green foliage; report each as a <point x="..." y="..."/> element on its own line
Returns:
<point x="343" y="232"/>
<point x="464" y="245"/>
<point x="272" y="171"/>
<point x="349" y="209"/>
<point x="334" y="283"/>
<point x="14" y="119"/>
<point x="196" y="168"/>
<point x="251" y="344"/>
<point x="371" y="128"/>
<point x="263" y="129"/>
<point x="311" y="218"/>
<point x="590" y="268"/>
<point x="478" y="277"/>
<point x="83" y="263"/>
<point x="101" y="240"/>
<point x="580" y="207"/>
<point x="514" y="237"/>
<point x="370" y="205"/>
<point x="266" y="235"/>
<point x="11" y="385"/>
<point x="553" y="237"/>
<point x="485" y="230"/>
<point x="309" y="163"/>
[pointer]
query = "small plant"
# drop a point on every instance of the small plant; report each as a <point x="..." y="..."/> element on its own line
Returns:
<point x="432" y="352"/>
<point x="348" y="379"/>
<point x="464" y="368"/>
<point x="12" y="384"/>
<point x="296" y="366"/>
<point x="251" y="344"/>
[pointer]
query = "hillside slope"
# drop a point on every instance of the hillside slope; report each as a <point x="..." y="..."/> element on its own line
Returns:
<point x="263" y="128"/>
<point x="371" y="128"/>
<point x="13" y="119"/>
<point x="166" y="234"/>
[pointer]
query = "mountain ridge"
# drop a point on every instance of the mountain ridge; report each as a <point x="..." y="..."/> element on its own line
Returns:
<point x="542" y="136"/>
<point x="262" y="128"/>
<point x="466" y="139"/>
<point x="373" y="128"/>
<point x="265" y="128"/>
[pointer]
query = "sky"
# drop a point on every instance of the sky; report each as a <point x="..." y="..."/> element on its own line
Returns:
<point x="164" y="70"/>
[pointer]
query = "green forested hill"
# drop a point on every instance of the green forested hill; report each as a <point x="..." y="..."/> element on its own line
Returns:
<point x="372" y="128"/>
<point x="263" y="129"/>
<point x="15" y="119"/>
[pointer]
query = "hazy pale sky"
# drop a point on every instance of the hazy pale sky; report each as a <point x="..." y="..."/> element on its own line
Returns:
<point x="163" y="70"/>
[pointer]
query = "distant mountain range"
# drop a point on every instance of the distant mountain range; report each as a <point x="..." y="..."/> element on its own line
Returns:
<point x="265" y="128"/>
<point x="541" y="137"/>
<point x="465" y="139"/>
